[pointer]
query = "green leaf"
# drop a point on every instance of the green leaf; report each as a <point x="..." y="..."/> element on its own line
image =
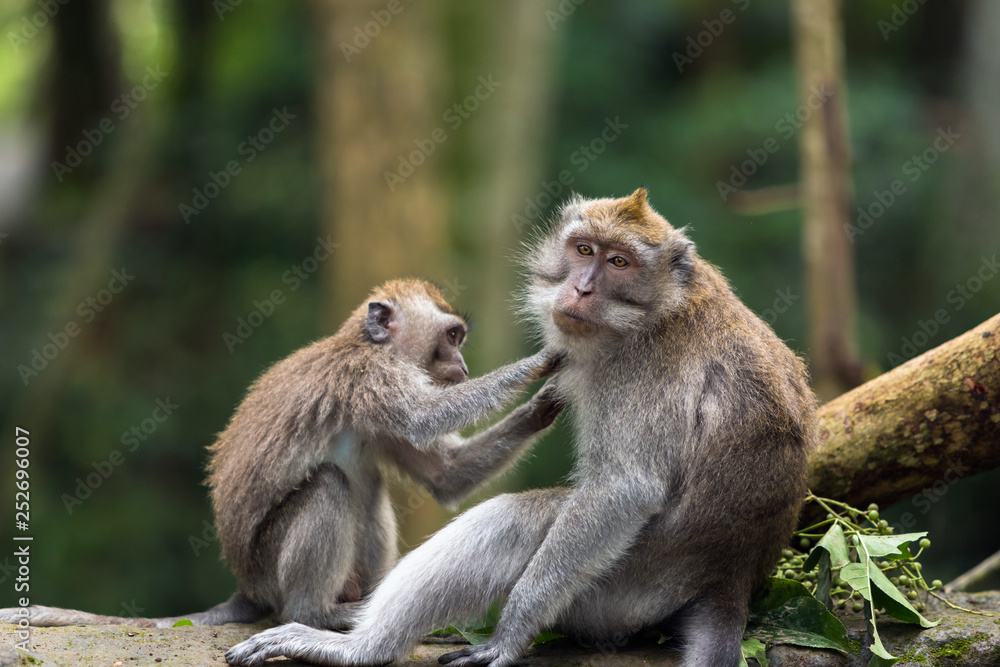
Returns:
<point x="895" y="603"/>
<point x="803" y="621"/>
<point x="882" y="662"/>
<point x="879" y="546"/>
<point x="547" y="637"/>
<point x="471" y="634"/>
<point x="824" y="580"/>
<point x="477" y="636"/>
<point x="754" y="648"/>
<point x="858" y="577"/>
<point x="476" y="632"/>
<point x="833" y="543"/>
<point x="775" y="593"/>
<point x="182" y="623"/>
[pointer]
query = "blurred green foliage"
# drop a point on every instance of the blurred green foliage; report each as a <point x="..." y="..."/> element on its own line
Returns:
<point x="140" y="538"/>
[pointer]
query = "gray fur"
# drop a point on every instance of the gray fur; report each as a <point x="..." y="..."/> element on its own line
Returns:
<point x="694" y="422"/>
<point x="302" y="513"/>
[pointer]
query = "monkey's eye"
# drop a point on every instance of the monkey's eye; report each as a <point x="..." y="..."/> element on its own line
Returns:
<point x="456" y="335"/>
<point x="618" y="261"/>
<point x="585" y="250"/>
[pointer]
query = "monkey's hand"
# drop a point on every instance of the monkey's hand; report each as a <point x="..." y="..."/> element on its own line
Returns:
<point x="487" y="653"/>
<point x="547" y="404"/>
<point x="552" y="361"/>
<point x="298" y="641"/>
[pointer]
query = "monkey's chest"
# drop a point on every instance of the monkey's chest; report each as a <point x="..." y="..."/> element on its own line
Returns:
<point x="354" y="456"/>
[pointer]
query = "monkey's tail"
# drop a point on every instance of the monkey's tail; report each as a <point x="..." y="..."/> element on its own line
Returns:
<point x="237" y="609"/>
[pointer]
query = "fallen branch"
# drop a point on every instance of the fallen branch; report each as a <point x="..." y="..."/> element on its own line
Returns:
<point x="918" y="428"/>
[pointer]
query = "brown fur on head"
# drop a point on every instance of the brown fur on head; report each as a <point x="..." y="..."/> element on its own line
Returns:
<point x="412" y="318"/>
<point x="606" y="267"/>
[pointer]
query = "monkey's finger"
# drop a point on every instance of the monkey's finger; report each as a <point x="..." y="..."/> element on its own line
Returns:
<point x="547" y="411"/>
<point x="480" y="654"/>
<point x="553" y="363"/>
<point x="272" y="643"/>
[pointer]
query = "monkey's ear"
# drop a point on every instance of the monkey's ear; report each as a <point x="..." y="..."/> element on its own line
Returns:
<point x="379" y="320"/>
<point x="682" y="258"/>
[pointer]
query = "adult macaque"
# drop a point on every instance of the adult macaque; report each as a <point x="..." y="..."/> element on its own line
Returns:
<point x="693" y="423"/>
<point x="302" y="513"/>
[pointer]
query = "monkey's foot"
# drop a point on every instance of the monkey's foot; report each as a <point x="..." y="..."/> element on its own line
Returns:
<point x="298" y="641"/>
<point x="480" y="654"/>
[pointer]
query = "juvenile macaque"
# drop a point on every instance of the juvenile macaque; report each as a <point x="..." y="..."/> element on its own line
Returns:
<point x="302" y="513"/>
<point x="693" y="423"/>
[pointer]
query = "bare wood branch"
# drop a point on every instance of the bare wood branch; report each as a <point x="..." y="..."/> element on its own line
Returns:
<point x="979" y="576"/>
<point x="932" y="420"/>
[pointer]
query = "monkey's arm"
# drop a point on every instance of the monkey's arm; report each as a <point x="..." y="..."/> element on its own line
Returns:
<point x="438" y="410"/>
<point x="598" y="523"/>
<point x="453" y="467"/>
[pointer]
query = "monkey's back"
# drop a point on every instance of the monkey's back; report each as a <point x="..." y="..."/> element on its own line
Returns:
<point x="285" y="427"/>
<point x="742" y="468"/>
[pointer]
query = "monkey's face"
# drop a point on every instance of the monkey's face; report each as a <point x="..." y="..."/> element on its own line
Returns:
<point x="446" y="365"/>
<point x="607" y="267"/>
<point x="598" y="276"/>
<point x="430" y="338"/>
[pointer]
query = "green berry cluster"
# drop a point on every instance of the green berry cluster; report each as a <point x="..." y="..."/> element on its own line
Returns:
<point x="905" y="572"/>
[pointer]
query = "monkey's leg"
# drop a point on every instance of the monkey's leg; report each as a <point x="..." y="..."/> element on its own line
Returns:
<point x="237" y="609"/>
<point x="376" y="547"/>
<point x="453" y="577"/>
<point x="312" y="538"/>
<point x="713" y="632"/>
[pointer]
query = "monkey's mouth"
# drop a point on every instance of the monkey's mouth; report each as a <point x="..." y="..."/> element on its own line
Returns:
<point x="449" y="380"/>
<point x="571" y="323"/>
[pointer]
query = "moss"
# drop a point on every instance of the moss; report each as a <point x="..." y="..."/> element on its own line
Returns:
<point x="958" y="647"/>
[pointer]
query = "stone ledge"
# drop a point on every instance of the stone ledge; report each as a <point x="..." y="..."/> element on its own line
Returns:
<point x="962" y="640"/>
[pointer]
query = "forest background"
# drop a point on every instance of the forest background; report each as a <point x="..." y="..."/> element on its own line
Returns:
<point x="191" y="190"/>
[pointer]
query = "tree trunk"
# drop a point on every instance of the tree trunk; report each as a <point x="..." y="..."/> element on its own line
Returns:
<point x="924" y="424"/>
<point x="377" y="105"/>
<point x="825" y="189"/>
<point x="378" y="100"/>
<point x="506" y="162"/>
<point x="976" y="193"/>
